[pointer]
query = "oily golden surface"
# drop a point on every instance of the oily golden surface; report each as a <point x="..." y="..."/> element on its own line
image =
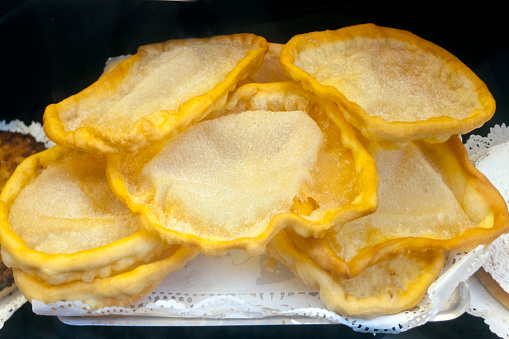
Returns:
<point x="118" y="290"/>
<point x="430" y="196"/>
<point x="390" y="84"/>
<point x="161" y="89"/>
<point x="76" y="228"/>
<point x="391" y="286"/>
<point x="275" y="156"/>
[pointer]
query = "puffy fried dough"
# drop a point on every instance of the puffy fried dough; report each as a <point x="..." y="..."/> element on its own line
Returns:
<point x="390" y="84"/>
<point x="430" y="196"/>
<point x="391" y="286"/>
<point x="276" y="156"/>
<point x="118" y="290"/>
<point x="76" y="228"/>
<point x="159" y="90"/>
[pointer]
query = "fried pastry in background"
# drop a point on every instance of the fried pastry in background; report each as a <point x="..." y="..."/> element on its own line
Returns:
<point x="117" y="290"/>
<point x="60" y="221"/>
<point x="158" y="91"/>
<point x="14" y="148"/>
<point x="390" y="84"/>
<point x="392" y="285"/>
<point x="275" y="156"/>
<point x="430" y="196"/>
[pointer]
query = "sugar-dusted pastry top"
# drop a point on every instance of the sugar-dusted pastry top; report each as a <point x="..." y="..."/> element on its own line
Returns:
<point x="225" y="175"/>
<point x="71" y="209"/>
<point x="392" y="79"/>
<point x="392" y="85"/>
<point x="274" y="156"/>
<point x="159" y="90"/>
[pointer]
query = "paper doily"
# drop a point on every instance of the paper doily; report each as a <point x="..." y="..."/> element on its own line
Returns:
<point x="237" y="286"/>
<point x="477" y="145"/>
<point x="482" y="303"/>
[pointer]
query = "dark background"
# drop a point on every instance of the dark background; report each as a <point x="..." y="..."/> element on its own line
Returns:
<point x="52" y="49"/>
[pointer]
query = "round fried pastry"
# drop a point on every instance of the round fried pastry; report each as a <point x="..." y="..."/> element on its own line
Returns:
<point x="76" y="228"/>
<point x="430" y="196"/>
<point x="276" y="156"/>
<point x="118" y="290"/>
<point x="391" y="286"/>
<point x="390" y="84"/>
<point x="14" y="148"/>
<point x="156" y="92"/>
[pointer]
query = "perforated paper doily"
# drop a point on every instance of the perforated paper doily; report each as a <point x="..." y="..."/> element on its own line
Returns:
<point x="237" y="286"/>
<point x="490" y="155"/>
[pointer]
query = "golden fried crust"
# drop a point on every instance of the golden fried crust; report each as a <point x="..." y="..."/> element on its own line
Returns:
<point x="391" y="286"/>
<point x="154" y="94"/>
<point x="14" y="148"/>
<point x="484" y="211"/>
<point x="119" y="290"/>
<point x="128" y="246"/>
<point x="341" y="186"/>
<point x="390" y="84"/>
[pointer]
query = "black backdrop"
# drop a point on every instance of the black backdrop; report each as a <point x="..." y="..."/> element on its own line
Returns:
<point x="52" y="49"/>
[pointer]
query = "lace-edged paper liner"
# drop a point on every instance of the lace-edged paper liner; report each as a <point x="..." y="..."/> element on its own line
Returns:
<point x="237" y="286"/>
<point x="482" y="303"/>
<point x="12" y="302"/>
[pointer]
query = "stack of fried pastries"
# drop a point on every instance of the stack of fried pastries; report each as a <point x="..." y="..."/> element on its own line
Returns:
<point x="207" y="145"/>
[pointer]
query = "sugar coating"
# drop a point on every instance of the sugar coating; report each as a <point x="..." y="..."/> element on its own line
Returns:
<point x="71" y="208"/>
<point x="413" y="201"/>
<point x="391" y="79"/>
<point x="225" y="177"/>
<point x="161" y="82"/>
<point x="387" y="278"/>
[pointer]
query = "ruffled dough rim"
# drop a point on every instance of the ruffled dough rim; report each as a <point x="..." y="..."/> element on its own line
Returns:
<point x="480" y="200"/>
<point x="125" y="253"/>
<point x="436" y="129"/>
<point x="118" y="290"/>
<point x="365" y="202"/>
<point x="159" y="124"/>
<point x="332" y="293"/>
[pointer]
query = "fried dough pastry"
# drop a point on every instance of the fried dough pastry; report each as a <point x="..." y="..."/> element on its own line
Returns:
<point x="14" y="148"/>
<point x="430" y="196"/>
<point x="76" y="229"/>
<point x="275" y="156"/>
<point x="391" y="85"/>
<point x="156" y="92"/>
<point x="391" y="286"/>
<point x="118" y="290"/>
